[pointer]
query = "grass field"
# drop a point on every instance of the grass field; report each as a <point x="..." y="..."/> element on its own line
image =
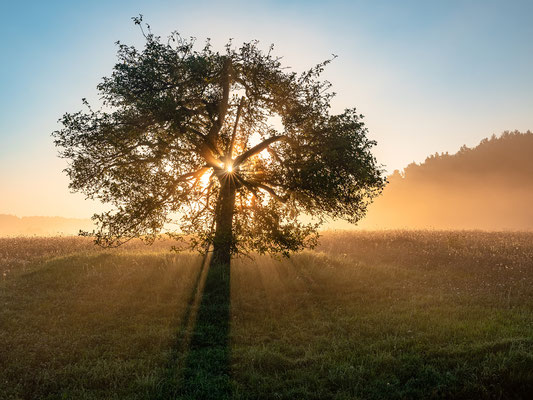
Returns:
<point x="369" y="315"/>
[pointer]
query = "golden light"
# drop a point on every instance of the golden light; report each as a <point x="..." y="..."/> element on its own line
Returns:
<point x="204" y="180"/>
<point x="229" y="168"/>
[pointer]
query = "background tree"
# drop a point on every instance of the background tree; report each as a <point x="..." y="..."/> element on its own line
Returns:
<point x="230" y="145"/>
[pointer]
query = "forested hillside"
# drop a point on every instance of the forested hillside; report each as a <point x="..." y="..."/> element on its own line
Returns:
<point x="487" y="187"/>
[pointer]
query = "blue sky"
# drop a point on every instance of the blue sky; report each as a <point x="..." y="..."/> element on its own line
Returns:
<point x="429" y="76"/>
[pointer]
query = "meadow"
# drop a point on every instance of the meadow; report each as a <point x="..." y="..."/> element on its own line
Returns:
<point x="365" y="315"/>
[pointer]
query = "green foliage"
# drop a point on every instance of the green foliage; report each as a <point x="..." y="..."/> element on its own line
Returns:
<point x="175" y="116"/>
<point x="507" y="155"/>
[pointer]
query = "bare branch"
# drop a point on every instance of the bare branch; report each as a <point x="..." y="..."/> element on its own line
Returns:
<point x="257" y="149"/>
<point x="232" y="142"/>
<point x="225" y="81"/>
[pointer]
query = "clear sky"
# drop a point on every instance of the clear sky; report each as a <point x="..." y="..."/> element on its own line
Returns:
<point x="429" y="76"/>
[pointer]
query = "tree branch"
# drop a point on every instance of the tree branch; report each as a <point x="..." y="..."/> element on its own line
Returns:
<point x="225" y="81"/>
<point x="266" y="188"/>
<point x="195" y="174"/>
<point x="232" y="142"/>
<point x="257" y="149"/>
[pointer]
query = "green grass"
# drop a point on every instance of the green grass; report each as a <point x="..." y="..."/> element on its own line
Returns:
<point x="371" y="315"/>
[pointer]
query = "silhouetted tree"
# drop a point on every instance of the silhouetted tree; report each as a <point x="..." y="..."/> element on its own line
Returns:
<point x="230" y="144"/>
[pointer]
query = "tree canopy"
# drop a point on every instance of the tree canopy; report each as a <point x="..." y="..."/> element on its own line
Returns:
<point x="204" y="138"/>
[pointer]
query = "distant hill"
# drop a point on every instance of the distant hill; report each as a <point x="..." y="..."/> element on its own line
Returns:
<point x="11" y="225"/>
<point x="487" y="187"/>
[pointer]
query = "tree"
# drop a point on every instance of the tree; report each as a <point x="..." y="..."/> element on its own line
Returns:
<point x="230" y="145"/>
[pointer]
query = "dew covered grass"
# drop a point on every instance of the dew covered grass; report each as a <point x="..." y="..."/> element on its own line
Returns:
<point x="369" y="315"/>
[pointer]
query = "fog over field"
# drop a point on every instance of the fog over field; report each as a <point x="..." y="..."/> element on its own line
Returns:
<point x="488" y="187"/>
<point x="11" y="225"/>
<point x="370" y="315"/>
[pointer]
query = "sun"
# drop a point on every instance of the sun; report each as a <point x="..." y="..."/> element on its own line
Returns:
<point x="229" y="168"/>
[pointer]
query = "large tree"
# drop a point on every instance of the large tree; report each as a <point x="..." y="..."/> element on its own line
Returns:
<point x="230" y="145"/>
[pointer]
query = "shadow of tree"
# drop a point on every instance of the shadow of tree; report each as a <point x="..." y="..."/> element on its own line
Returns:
<point x="199" y="367"/>
<point x="206" y="374"/>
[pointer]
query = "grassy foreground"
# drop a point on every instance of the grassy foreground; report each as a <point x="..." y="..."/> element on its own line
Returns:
<point x="366" y="315"/>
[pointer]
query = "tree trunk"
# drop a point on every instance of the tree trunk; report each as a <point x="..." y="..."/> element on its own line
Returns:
<point x="223" y="240"/>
